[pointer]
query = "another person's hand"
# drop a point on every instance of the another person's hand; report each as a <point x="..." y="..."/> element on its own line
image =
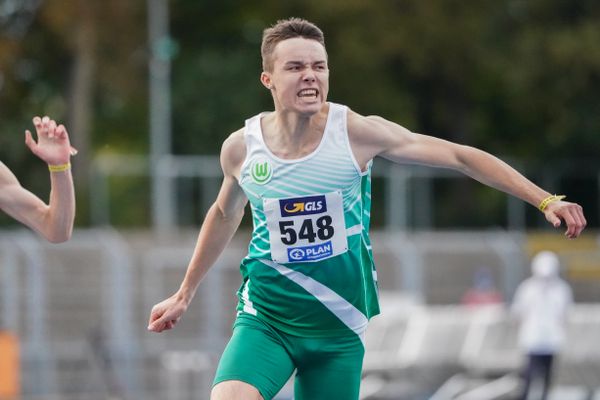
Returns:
<point x="52" y="144"/>
<point x="166" y="314"/>
<point x="571" y="213"/>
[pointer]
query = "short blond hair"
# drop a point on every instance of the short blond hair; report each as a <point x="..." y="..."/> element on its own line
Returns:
<point x="287" y="29"/>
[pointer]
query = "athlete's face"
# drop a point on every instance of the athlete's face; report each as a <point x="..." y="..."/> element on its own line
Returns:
<point x="300" y="77"/>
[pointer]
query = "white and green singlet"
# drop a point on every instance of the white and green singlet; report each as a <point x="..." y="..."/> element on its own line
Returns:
<point x="309" y="269"/>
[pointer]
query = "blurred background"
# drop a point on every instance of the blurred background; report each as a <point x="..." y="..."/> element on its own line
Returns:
<point x="149" y="90"/>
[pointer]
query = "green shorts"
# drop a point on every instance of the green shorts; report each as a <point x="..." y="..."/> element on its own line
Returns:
<point x="264" y="357"/>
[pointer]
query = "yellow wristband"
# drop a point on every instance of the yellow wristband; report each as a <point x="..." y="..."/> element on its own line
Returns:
<point x="59" y="168"/>
<point x="550" y="199"/>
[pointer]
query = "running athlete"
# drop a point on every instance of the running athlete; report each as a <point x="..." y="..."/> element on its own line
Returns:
<point x="308" y="281"/>
<point x="54" y="221"/>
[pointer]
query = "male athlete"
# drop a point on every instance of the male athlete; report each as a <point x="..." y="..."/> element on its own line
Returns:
<point x="54" y="221"/>
<point x="309" y="283"/>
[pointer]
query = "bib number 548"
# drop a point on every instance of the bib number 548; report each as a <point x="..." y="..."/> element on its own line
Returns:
<point x="307" y="231"/>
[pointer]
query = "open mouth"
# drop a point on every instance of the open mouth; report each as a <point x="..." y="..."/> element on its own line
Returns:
<point x="308" y="93"/>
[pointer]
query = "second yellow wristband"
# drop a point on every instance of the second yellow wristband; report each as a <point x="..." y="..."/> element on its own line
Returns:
<point x="550" y="199"/>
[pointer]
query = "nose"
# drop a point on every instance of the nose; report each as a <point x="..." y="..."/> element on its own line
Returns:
<point x="309" y="76"/>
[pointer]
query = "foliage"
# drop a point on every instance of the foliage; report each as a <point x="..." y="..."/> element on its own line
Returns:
<point x="517" y="78"/>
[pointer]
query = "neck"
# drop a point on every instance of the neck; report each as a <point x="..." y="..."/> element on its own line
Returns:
<point x="293" y="135"/>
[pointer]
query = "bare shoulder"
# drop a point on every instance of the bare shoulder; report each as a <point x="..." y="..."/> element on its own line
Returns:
<point x="233" y="152"/>
<point x="358" y="125"/>
<point x="372" y="129"/>
<point x="373" y="135"/>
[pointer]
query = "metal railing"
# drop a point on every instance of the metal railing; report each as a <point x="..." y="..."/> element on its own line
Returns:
<point x="408" y="199"/>
<point x="115" y="277"/>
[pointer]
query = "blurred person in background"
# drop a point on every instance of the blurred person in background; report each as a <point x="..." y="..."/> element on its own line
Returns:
<point x="54" y="221"/>
<point x="484" y="291"/>
<point x="309" y="284"/>
<point x="541" y="304"/>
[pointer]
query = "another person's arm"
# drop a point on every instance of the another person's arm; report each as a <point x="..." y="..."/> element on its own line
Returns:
<point x="54" y="220"/>
<point x="375" y="136"/>
<point x="219" y="226"/>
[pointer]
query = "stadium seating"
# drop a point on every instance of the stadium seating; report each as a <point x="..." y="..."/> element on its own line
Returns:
<point x="81" y="309"/>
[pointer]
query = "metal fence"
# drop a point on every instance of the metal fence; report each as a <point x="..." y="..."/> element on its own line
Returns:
<point x="80" y="309"/>
<point x="406" y="198"/>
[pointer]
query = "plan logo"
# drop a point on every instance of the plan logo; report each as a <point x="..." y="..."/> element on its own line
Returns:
<point x="261" y="172"/>
<point x="302" y="206"/>
<point x="311" y="253"/>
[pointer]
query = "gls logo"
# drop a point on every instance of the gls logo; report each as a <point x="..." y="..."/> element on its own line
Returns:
<point x="302" y="206"/>
<point x="261" y="172"/>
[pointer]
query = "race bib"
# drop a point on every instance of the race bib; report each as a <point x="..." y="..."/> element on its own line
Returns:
<point x="309" y="228"/>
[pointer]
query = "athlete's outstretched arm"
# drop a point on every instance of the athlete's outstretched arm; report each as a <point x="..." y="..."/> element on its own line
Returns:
<point x="219" y="226"/>
<point x="375" y="136"/>
<point x="54" y="221"/>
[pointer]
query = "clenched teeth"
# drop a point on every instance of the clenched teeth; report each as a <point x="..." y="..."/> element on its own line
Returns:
<point x="307" y="93"/>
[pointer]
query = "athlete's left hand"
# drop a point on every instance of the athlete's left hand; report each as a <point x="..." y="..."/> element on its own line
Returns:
<point x="571" y="213"/>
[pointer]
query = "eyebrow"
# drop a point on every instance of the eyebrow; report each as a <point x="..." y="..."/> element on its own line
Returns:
<point x="291" y="63"/>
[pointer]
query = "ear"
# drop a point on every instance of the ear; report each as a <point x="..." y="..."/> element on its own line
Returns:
<point x="265" y="79"/>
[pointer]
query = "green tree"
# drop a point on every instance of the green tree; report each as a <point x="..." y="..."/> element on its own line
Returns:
<point x="518" y="78"/>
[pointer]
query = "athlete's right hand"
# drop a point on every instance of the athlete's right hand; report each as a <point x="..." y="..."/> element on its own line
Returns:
<point x="166" y="314"/>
